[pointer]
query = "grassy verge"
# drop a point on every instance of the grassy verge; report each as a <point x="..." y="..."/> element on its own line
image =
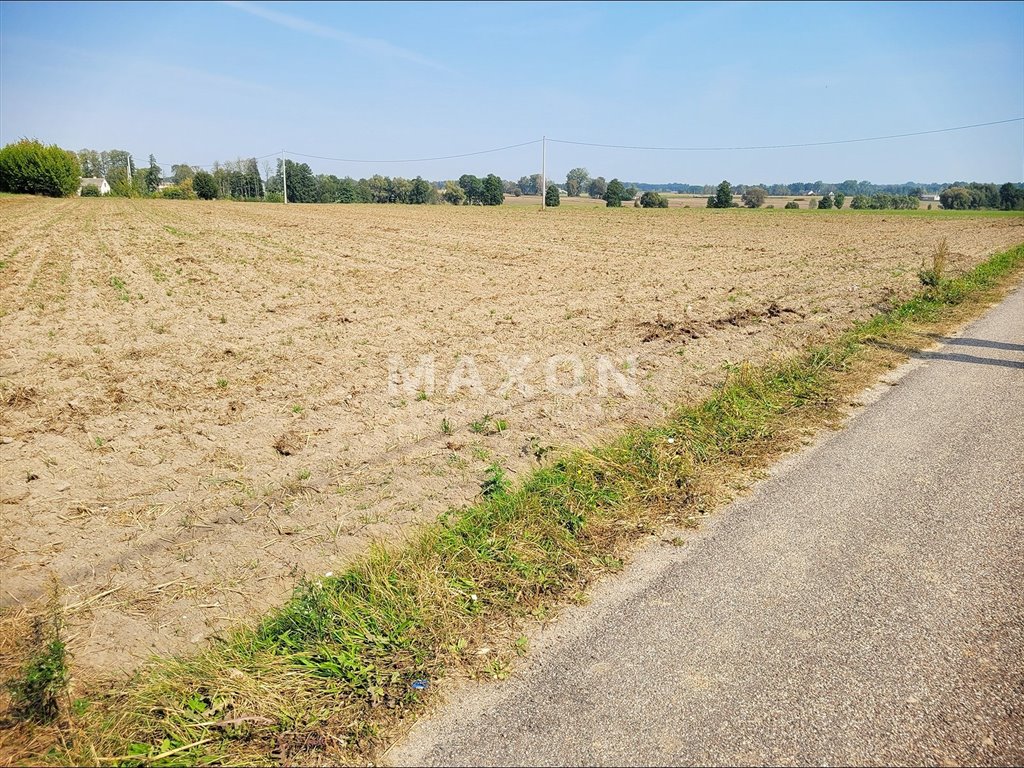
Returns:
<point x="330" y="675"/>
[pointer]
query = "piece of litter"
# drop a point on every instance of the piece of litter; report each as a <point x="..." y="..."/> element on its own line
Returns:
<point x="420" y="685"/>
<point x="473" y="598"/>
<point x="671" y="439"/>
<point x="328" y="574"/>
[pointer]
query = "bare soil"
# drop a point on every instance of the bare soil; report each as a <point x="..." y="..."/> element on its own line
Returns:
<point x="194" y="402"/>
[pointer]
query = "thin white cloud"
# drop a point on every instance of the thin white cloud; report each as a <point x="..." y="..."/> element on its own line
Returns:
<point x="369" y="44"/>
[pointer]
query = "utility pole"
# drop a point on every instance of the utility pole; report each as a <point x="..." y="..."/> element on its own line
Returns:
<point x="129" y="168"/>
<point x="284" y="175"/>
<point x="543" y="172"/>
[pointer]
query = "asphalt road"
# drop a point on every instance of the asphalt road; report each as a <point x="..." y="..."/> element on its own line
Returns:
<point x="864" y="605"/>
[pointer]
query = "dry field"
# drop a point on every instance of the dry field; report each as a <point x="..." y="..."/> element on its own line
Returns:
<point x="194" y="400"/>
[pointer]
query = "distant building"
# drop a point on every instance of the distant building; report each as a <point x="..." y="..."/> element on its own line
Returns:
<point x="929" y="198"/>
<point x="100" y="184"/>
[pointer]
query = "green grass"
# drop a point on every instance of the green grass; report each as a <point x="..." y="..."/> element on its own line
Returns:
<point x="330" y="672"/>
<point x="119" y="286"/>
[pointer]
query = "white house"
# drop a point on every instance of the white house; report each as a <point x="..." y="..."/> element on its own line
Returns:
<point x="100" y="184"/>
<point x="930" y="198"/>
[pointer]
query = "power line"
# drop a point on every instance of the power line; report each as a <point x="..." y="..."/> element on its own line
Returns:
<point x="788" y="146"/>
<point x="631" y="147"/>
<point x="419" y="159"/>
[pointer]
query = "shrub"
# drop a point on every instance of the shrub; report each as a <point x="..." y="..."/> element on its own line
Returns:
<point x="754" y="197"/>
<point x="31" y="168"/>
<point x="653" y="200"/>
<point x="173" y="193"/>
<point x="812" y="204"/>
<point x="274" y="197"/>
<point x="825" y="203"/>
<point x="90" y="190"/>
<point x="792" y="204"/>
<point x="552" y="198"/>
<point x="839" y="200"/>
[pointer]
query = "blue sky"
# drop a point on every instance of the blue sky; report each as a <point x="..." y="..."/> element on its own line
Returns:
<point x="198" y="82"/>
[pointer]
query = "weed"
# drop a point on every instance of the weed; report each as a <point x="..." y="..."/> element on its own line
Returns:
<point x="488" y="426"/>
<point x="446" y="427"/>
<point x="297" y="408"/>
<point x="119" y="286"/>
<point x="304" y="474"/>
<point x="421" y="396"/>
<point x="36" y="693"/>
<point x="495" y="481"/>
<point x="932" y="278"/>
<point x="222" y="383"/>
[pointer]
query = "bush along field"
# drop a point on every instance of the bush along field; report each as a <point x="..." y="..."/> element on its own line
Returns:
<point x="329" y="676"/>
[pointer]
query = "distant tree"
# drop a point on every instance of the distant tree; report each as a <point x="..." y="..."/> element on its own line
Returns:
<point x="181" y="172"/>
<point x="812" y="203"/>
<point x="955" y="198"/>
<point x="473" y="187"/>
<point x="91" y="163"/>
<point x="493" y="192"/>
<point x="552" y="198"/>
<point x="825" y="203"/>
<point x="722" y="197"/>
<point x="653" y="200"/>
<point x="839" y="199"/>
<point x="1011" y="197"/>
<point x="29" y="167"/>
<point x="792" y="204"/>
<point x="153" y="175"/>
<point x="90" y="190"/>
<point x="631" y="193"/>
<point x="576" y="181"/>
<point x="597" y="187"/>
<point x="453" y="193"/>
<point x="614" y="194"/>
<point x="754" y="197"/>
<point x="301" y="183"/>
<point x="530" y="185"/>
<point x="422" y="192"/>
<point x="204" y="185"/>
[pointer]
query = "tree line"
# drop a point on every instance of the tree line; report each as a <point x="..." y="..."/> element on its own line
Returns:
<point x="28" y="166"/>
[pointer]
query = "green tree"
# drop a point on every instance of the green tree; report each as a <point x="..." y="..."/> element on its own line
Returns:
<point x="614" y="194"/>
<point x="153" y="176"/>
<point x="840" y="198"/>
<point x="955" y="198"/>
<point x="597" y="188"/>
<point x="473" y="187"/>
<point x="204" y="185"/>
<point x="29" y="167"/>
<point x="182" y="172"/>
<point x="91" y="163"/>
<point x="422" y="192"/>
<point x="453" y="193"/>
<point x="493" y="190"/>
<point x="552" y="198"/>
<point x="825" y="203"/>
<point x="576" y="181"/>
<point x="1011" y="197"/>
<point x="792" y="204"/>
<point x="530" y="185"/>
<point x="754" y="197"/>
<point x="723" y="195"/>
<point x="653" y="200"/>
